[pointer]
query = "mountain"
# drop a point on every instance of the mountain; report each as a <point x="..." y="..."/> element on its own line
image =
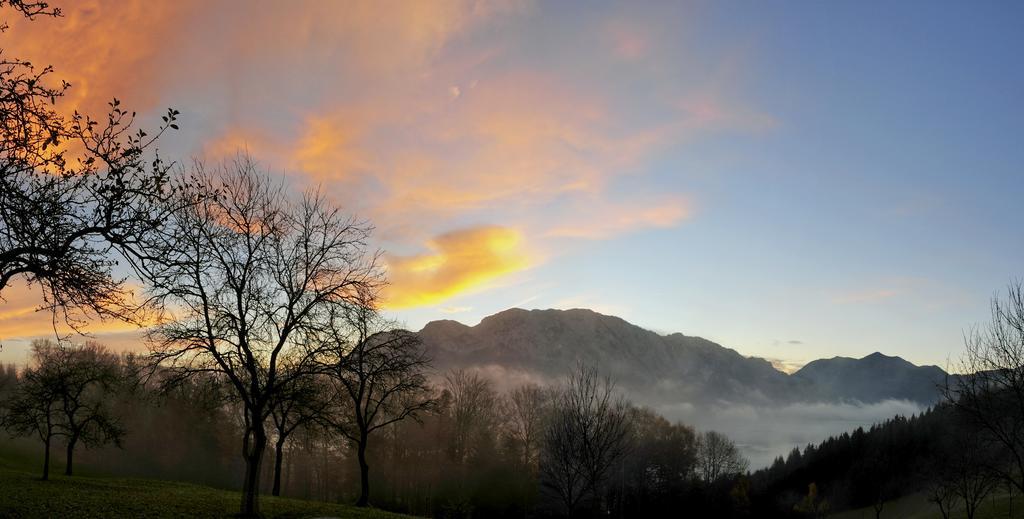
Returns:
<point x="873" y="378"/>
<point x="515" y="346"/>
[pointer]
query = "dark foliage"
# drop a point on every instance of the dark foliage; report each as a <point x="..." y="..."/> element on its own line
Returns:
<point x="75" y="192"/>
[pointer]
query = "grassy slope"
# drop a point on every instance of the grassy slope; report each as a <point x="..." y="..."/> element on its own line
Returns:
<point x="23" y="494"/>
<point x="916" y="506"/>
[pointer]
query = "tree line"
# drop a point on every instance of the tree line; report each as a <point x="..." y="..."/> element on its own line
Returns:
<point x="573" y="450"/>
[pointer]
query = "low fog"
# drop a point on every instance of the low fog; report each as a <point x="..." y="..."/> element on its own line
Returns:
<point x="763" y="430"/>
<point x="766" y="432"/>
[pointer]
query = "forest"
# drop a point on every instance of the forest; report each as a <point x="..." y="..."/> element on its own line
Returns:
<point x="466" y="450"/>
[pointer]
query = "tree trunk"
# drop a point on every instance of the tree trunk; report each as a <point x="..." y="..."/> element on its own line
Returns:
<point x="278" y="453"/>
<point x="71" y="454"/>
<point x="364" y="473"/>
<point x="252" y="450"/>
<point x="46" y="459"/>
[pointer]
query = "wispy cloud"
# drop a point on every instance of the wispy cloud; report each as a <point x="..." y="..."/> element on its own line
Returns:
<point x="21" y="316"/>
<point x="425" y="118"/>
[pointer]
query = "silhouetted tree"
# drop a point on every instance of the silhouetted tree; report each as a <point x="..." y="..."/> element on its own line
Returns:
<point x="717" y="456"/>
<point x="34" y="408"/>
<point x="991" y="394"/>
<point x="662" y="459"/>
<point x="524" y="412"/>
<point x="377" y="377"/>
<point x="300" y="402"/>
<point x="250" y="275"/>
<point x="90" y="378"/>
<point x="941" y="492"/>
<point x="66" y="392"/>
<point x="964" y="466"/>
<point x="473" y="408"/>
<point x="73" y="190"/>
<point x="587" y="434"/>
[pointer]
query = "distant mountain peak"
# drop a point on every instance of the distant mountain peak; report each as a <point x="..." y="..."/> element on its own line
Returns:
<point x="874" y="377"/>
<point x="445" y="324"/>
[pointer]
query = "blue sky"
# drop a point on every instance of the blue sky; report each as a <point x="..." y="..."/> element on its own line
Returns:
<point x="792" y="179"/>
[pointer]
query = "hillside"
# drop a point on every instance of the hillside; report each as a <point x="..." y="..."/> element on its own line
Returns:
<point x="917" y="506"/>
<point x="25" y="495"/>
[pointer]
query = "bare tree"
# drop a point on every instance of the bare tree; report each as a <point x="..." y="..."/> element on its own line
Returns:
<point x="524" y="411"/>
<point x="67" y="392"/>
<point x="717" y="456"/>
<point x="91" y="377"/>
<point x="300" y="402"/>
<point x="941" y="492"/>
<point x="973" y="484"/>
<point x="990" y="391"/>
<point x="473" y="407"/>
<point x="74" y="191"/>
<point x="246" y="278"/>
<point x="962" y="470"/>
<point x="34" y="408"/>
<point x="587" y="434"/>
<point x="377" y="374"/>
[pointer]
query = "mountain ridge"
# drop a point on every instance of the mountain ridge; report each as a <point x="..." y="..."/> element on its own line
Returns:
<point x="655" y="369"/>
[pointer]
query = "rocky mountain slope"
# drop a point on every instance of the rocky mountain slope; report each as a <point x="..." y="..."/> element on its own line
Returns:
<point x="517" y="345"/>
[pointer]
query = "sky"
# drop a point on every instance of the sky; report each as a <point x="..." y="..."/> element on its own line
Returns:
<point x="793" y="180"/>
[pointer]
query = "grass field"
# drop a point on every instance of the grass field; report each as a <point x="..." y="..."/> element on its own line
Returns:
<point x="23" y="494"/>
<point x="916" y="506"/>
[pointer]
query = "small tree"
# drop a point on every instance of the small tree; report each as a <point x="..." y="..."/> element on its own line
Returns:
<point x="33" y="410"/>
<point x="301" y="402"/>
<point x="588" y="434"/>
<point x="473" y="407"/>
<point x="67" y="392"/>
<point x="942" y="492"/>
<point x="91" y="377"/>
<point x="813" y="505"/>
<point x="377" y="376"/>
<point x="717" y="456"/>
<point x="966" y="464"/>
<point x="524" y="411"/>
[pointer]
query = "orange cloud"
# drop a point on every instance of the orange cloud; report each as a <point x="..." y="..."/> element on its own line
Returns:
<point x="418" y="116"/>
<point x="519" y="140"/>
<point x="103" y="49"/>
<point x="458" y="262"/>
<point x="22" y="319"/>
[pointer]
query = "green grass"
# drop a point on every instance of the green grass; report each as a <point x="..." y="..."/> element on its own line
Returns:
<point x="23" y="494"/>
<point x="916" y="506"/>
